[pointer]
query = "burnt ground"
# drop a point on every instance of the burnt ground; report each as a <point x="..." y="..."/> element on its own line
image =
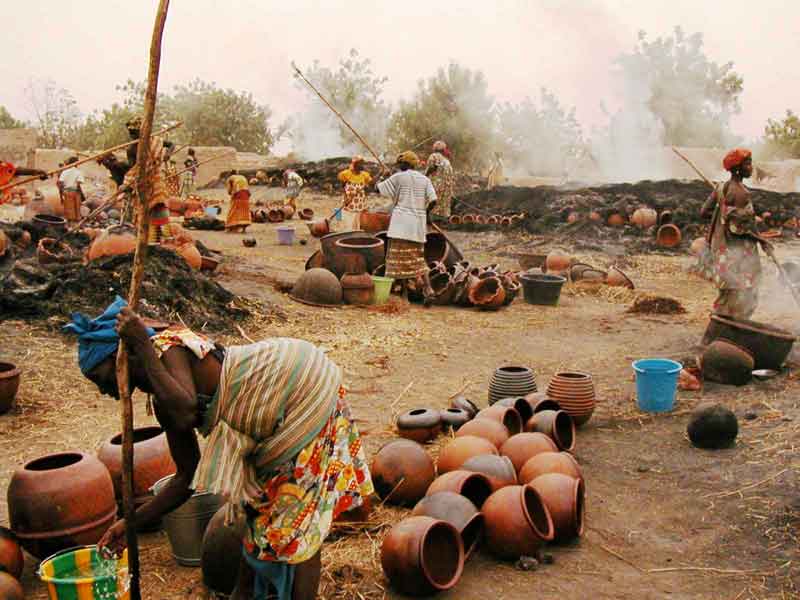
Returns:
<point x="664" y="520"/>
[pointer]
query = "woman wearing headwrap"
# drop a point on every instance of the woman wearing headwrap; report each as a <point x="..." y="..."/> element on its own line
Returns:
<point x="238" y="218"/>
<point x="734" y="264"/>
<point x="355" y="180"/>
<point x="440" y="172"/>
<point x="281" y="444"/>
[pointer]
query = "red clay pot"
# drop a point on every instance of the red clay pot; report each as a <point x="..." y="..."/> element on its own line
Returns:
<point x="498" y="469"/>
<point x="574" y="391"/>
<point x="306" y="214"/>
<point x="456" y="510"/>
<point x="557" y="262"/>
<point x="60" y="501"/>
<point x="617" y="278"/>
<point x="288" y="211"/>
<point x="419" y="424"/>
<point x="595" y="216"/>
<point x="520" y="404"/>
<point x="190" y="254"/>
<point x="521" y="447"/>
<point x="11" y="559"/>
<point x="539" y="402"/>
<point x="9" y="384"/>
<point x="517" y="522"/>
<point x="455" y="219"/>
<point x="725" y="362"/>
<point x="10" y="588"/>
<point x="116" y="240"/>
<point x="458" y="451"/>
<point x="275" y="215"/>
<point x="373" y="222"/>
<point x="488" y="429"/>
<point x="319" y="228"/>
<point x="564" y="497"/>
<point x="421" y="556"/>
<point x="487" y="294"/>
<point x="222" y="551"/>
<point x="550" y="462"/>
<point x="505" y="415"/>
<point x="357" y="289"/>
<point x="402" y="472"/>
<point x="557" y="425"/>
<point x="644" y="217"/>
<point x="668" y="236"/>
<point x="476" y="487"/>
<point x="616" y="220"/>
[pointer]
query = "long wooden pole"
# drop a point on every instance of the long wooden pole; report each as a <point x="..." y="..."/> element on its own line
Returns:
<point x="137" y="274"/>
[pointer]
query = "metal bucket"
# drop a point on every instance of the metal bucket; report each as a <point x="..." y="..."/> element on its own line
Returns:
<point x="186" y="524"/>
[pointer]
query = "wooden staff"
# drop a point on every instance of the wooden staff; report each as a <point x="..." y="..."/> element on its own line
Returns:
<point x="338" y="114"/>
<point x="83" y="160"/>
<point x="137" y="274"/>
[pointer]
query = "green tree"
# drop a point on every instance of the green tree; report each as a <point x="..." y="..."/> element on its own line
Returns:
<point x="692" y="96"/>
<point x="454" y="105"/>
<point x="7" y="121"/>
<point x="782" y="137"/>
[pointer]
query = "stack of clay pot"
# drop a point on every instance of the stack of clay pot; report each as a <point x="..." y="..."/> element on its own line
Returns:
<point x="462" y="284"/>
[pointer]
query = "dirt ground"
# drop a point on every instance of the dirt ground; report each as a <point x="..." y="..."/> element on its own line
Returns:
<point x="664" y="520"/>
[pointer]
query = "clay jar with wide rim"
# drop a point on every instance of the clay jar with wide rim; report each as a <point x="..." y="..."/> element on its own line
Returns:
<point x="116" y="240"/>
<point x="510" y="381"/>
<point x="10" y="588"/>
<point x="550" y="462"/>
<point x="402" y="472"/>
<point x="458" y="451"/>
<point x="476" y="487"/>
<point x="419" y="424"/>
<point x="564" y="497"/>
<point x="421" y="556"/>
<point x="521" y="447"/>
<point x="574" y="392"/>
<point x="11" y="559"/>
<point x="222" y="551"/>
<point x="60" y="501"/>
<point x="487" y="294"/>
<point x="151" y="461"/>
<point x="454" y="418"/>
<point x="520" y="404"/>
<point x="539" y="402"/>
<point x="306" y="214"/>
<point x="517" y="522"/>
<point x="505" y="415"/>
<point x="498" y="469"/>
<point x="9" y="385"/>
<point x="458" y="511"/>
<point x="488" y="429"/>
<point x="557" y="425"/>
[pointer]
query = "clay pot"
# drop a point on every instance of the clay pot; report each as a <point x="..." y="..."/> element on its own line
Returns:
<point x="487" y="294"/>
<point x="315" y="261"/>
<point x="616" y="220"/>
<point x="644" y="217"/>
<point x="222" y="551"/>
<point x="419" y="424"/>
<point x="668" y="236"/>
<point x="275" y="215"/>
<point x="498" y="469"/>
<point x="665" y="217"/>
<point x="617" y="278"/>
<point x="488" y="429"/>
<point x="357" y="289"/>
<point x="506" y="222"/>
<point x="698" y="246"/>
<point x="454" y="418"/>
<point x="370" y="249"/>
<point x="557" y="262"/>
<point x="493" y="220"/>
<point x="151" y="461"/>
<point x="455" y="220"/>
<point x="726" y="362"/>
<point x="436" y="268"/>
<point x="176" y="206"/>
<point x="504" y="415"/>
<point x="306" y="214"/>
<point x="573" y="217"/>
<point x="587" y="274"/>
<point x="10" y="588"/>
<point x="443" y="289"/>
<point x="557" y="425"/>
<point x="480" y="220"/>
<point x="11" y="559"/>
<point x="474" y="486"/>
<point x="539" y="402"/>
<point x="564" y="497"/>
<point x="459" y="450"/>
<point x="373" y="222"/>
<point x="595" y="216"/>
<point x="521" y="447"/>
<point x="288" y="211"/>
<point x="517" y="522"/>
<point x="208" y="263"/>
<point x="319" y="228"/>
<point x="317" y="287"/>
<point x="468" y="219"/>
<point x="421" y="556"/>
<point x="114" y="241"/>
<point x="249" y="242"/>
<point x="574" y="392"/>
<point x="520" y="404"/>
<point x="512" y="288"/>
<point x="402" y="472"/>
<point x="511" y="381"/>
<point x="465" y="405"/>
<point x="712" y="426"/>
<point x="550" y="462"/>
<point x="9" y="384"/>
<point x="60" y="501"/>
<point x="190" y="254"/>
<point x="456" y="510"/>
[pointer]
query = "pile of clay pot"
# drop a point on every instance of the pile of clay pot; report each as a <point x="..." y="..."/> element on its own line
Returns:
<point x="561" y="263"/>
<point x="507" y="481"/>
<point x="486" y="288"/>
<point x="278" y="213"/>
<point x="480" y="219"/>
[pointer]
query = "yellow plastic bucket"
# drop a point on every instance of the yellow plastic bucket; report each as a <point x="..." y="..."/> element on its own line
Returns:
<point x="383" y="287"/>
<point x="83" y="574"/>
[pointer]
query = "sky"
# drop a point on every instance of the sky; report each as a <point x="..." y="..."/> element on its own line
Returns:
<point x="568" y="46"/>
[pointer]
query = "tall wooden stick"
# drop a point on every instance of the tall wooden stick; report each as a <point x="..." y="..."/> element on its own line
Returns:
<point x="137" y="274"/>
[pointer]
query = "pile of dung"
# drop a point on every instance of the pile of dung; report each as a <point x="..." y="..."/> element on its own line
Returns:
<point x="656" y="305"/>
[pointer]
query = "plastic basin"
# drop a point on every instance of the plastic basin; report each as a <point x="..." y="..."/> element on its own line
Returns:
<point x="541" y="288"/>
<point x="83" y="573"/>
<point x="285" y="235"/>
<point x="656" y="383"/>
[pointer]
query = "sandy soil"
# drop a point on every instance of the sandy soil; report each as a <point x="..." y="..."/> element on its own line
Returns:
<point x="664" y="520"/>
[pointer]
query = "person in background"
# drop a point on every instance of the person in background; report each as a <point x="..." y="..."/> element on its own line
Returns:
<point x="188" y="177"/>
<point x="116" y="168"/>
<point x="70" y="185"/>
<point x="355" y="180"/>
<point x="412" y="194"/>
<point x="293" y="184"/>
<point x="495" y="176"/>
<point x="440" y="172"/>
<point x="9" y="171"/>
<point x="238" y="219"/>
<point x="735" y="266"/>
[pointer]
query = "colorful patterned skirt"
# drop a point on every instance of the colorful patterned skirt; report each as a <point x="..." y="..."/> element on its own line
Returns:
<point x="405" y="259"/>
<point x="72" y="205"/>
<point x="239" y="213"/>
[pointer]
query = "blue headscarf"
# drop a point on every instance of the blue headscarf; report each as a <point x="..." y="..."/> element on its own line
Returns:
<point x="97" y="338"/>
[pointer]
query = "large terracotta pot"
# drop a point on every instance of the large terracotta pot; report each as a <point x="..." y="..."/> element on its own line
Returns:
<point x="557" y="262"/>
<point x="288" y="211"/>
<point x="116" y="240"/>
<point x="616" y="220"/>
<point x="151" y="461"/>
<point x="373" y="222"/>
<point x="644" y="217"/>
<point x="487" y="294"/>
<point x="421" y="556"/>
<point x="539" y="402"/>
<point x="9" y="384"/>
<point x="574" y="392"/>
<point x="517" y="522"/>
<point x="317" y="287"/>
<point x="668" y="236"/>
<point x="504" y="415"/>
<point x="511" y="381"/>
<point x="458" y="511"/>
<point x="458" y="451"/>
<point x="222" y="552"/>
<point x="474" y="486"/>
<point x="550" y="462"/>
<point x="520" y="404"/>
<point x="439" y="248"/>
<point x="726" y="362"/>
<point x="557" y="425"/>
<point x="369" y="248"/>
<point x="419" y="424"/>
<point x="357" y="289"/>
<point x="498" y="469"/>
<point x="521" y="447"/>
<point x="488" y="429"/>
<point x="319" y="228"/>
<point x="402" y="472"/>
<point x="60" y="501"/>
<point x="564" y="497"/>
<point x="11" y="559"/>
<point x="10" y="588"/>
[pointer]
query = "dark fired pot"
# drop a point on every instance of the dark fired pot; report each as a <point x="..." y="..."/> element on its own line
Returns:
<point x="9" y="384"/>
<point x="521" y="447"/>
<point x="357" y="289"/>
<point x="769" y="345"/>
<point x="505" y="415"/>
<point x="474" y="486"/>
<point x="550" y="462"/>
<point x="726" y="362"/>
<point x="517" y="522"/>
<point x="458" y="511"/>
<point x="60" y="501"/>
<point x="439" y="248"/>
<point x="419" y="424"/>
<point x="511" y="381"/>
<point x="222" y="552"/>
<point x="421" y="556"/>
<point x="402" y="472"/>
<point x="564" y="497"/>
<point x="454" y="418"/>
<point x="458" y="451"/>
<point x="11" y="559"/>
<point x="464" y="404"/>
<point x="367" y="247"/>
<point x="498" y="469"/>
<point x="306" y="214"/>
<point x="328" y="242"/>
<point x="488" y="429"/>
<point x="520" y="404"/>
<point x="557" y="425"/>
<point x="443" y="289"/>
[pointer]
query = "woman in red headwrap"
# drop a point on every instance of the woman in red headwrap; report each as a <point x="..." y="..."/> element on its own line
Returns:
<point x="733" y="240"/>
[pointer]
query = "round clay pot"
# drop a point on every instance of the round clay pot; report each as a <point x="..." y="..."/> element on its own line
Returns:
<point x="357" y="289"/>
<point x="713" y="426"/>
<point x="480" y="220"/>
<point x="512" y="288"/>
<point x="539" y="402"/>
<point x="222" y="551"/>
<point x="474" y="486"/>
<point x="550" y="462"/>
<point x="726" y="362"/>
<point x="487" y="294"/>
<point x="116" y="240"/>
<point x="617" y="278"/>
<point x="317" y="287"/>
<point x="288" y="211"/>
<point x="306" y="214"/>
<point x="9" y="384"/>
<point x="11" y="559"/>
<point x="521" y="447"/>
<point x="574" y="392"/>
<point x="455" y="220"/>
<point x="370" y="248"/>
<point x="52" y="251"/>
<point x="698" y="246"/>
<point x="249" y="242"/>
<point x="456" y="510"/>
<point x="454" y="418"/>
<point x="520" y="404"/>
<point x="564" y="497"/>
<point x="510" y="381"/>
<point x="668" y="236"/>
<point x="372" y="222"/>
<point x="595" y="216"/>
<point x="421" y="556"/>
<point x="459" y="450"/>
<point x="10" y="588"/>
<point x="573" y="217"/>
<point x="465" y="405"/>
<point x="616" y="220"/>
<point x="189" y="252"/>
<point x="275" y="215"/>
<point x="319" y="228"/>
<point x="557" y="262"/>
<point x="488" y="429"/>
<point x="60" y="501"/>
<point x="498" y="469"/>
<point x="504" y="415"/>
<point x="557" y="425"/>
<point x="493" y="220"/>
<point x="151" y="461"/>
<point x="402" y="472"/>
<point x="419" y="424"/>
<point x="443" y="289"/>
<point x="644" y="217"/>
<point x="517" y="522"/>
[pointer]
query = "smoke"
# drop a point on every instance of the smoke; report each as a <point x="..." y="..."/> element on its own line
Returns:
<point x="315" y="133"/>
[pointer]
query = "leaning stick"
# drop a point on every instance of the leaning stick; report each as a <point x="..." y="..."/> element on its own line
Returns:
<point x="83" y="160"/>
<point x="137" y="274"/>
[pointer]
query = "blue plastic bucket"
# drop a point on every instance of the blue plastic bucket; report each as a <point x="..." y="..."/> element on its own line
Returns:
<point x="656" y="384"/>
